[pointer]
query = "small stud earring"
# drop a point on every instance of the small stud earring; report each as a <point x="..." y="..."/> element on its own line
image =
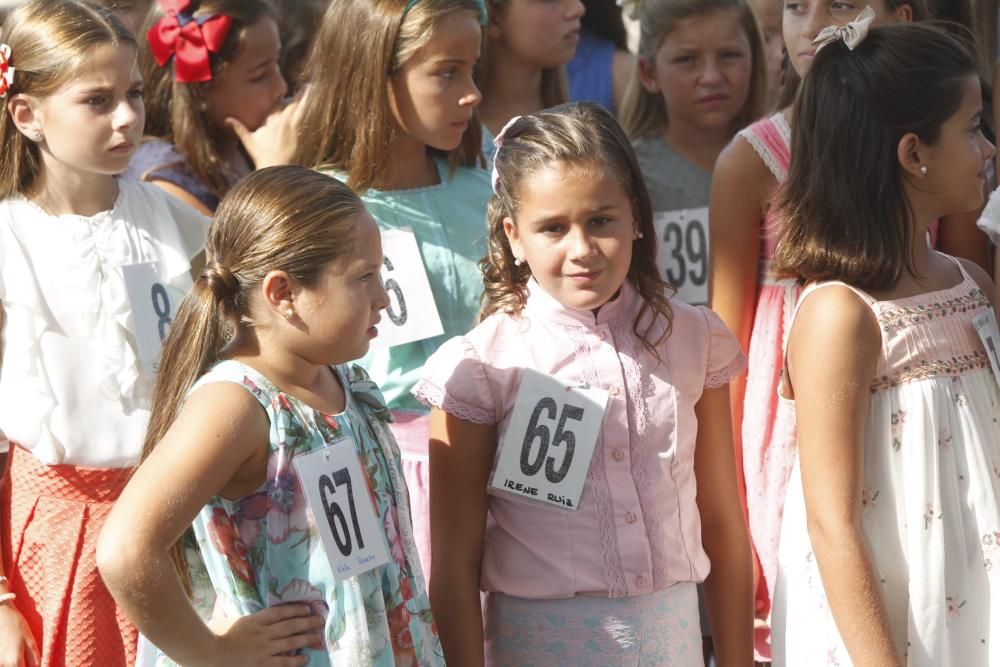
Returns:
<point x="37" y="136"/>
<point x="517" y="262"/>
<point x="638" y="234"/>
<point x="923" y="169"/>
<point x="289" y="313"/>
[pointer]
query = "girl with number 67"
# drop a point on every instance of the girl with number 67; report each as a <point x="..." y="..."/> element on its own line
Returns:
<point x="275" y="450"/>
<point x="629" y="394"/>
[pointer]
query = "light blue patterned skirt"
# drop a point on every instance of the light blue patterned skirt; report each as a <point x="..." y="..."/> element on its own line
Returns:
<point x="583" y="631"/>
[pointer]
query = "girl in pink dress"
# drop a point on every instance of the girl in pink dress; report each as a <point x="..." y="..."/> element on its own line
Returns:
<point x="598" y="401"/>
<point x="754" y="305"/>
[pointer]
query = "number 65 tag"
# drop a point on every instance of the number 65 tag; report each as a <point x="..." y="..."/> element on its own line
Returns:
<point x="336" y="492"/>
<point x="154" y="299"/>
<point x="549" y="440"/>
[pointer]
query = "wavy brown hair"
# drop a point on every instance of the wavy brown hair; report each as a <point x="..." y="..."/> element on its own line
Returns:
<point x="287" y="218"/>
<point x="587" y="135"/>
<point x="175" y="111"/>
<point x="51" y="41"/>
<point x="847" y="216"/>
<point x="644" y="113"/>
<point x="360" y="46"/>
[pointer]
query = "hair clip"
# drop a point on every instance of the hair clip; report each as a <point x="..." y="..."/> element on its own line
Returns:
<point x="630" y="8"/>
<point x="6" y="71"/>
<point x="852" y="34"/>
<point x="498" y="144"/>
<point x="187" y="39"/>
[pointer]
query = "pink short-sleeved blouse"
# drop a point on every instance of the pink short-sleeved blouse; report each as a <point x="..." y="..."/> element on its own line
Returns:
<point x="637" y="528"/>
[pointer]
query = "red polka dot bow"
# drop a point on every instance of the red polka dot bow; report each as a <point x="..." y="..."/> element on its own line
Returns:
<point x="6" y="71"/>
<point x="188" y="40"/>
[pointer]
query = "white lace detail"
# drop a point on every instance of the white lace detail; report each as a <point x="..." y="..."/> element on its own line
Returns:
<point x="772" y="161"/>
<point x="430" y="394"/>
<point x="724" y="375"/>
<point x="638" y="386"/>
<point x="597" y="480"/>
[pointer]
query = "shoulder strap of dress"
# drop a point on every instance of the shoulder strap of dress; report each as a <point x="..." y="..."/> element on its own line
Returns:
<point x="771" y="139"/>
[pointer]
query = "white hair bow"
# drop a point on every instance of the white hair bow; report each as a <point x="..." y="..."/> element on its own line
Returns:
<point x="498" y="143"/>
<point x="853" y="33"/>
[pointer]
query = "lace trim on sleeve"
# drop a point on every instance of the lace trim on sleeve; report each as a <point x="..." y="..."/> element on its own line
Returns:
<point x="430" y="394"/>
<point x="722" y="376"/>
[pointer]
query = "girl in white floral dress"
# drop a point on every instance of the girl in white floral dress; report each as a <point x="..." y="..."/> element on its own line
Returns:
<point x="889" y="550"/>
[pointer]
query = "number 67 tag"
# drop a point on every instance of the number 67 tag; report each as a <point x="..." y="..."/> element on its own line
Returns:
<point x="336" y="492"/>
<point x="549" y="440"/>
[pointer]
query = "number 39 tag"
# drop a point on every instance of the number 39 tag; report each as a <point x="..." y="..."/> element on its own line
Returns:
<point x="154" y="300"/>
<point x="336" y="491"/>
<point x="549" y="440"/>
<point x="682" y="252"/>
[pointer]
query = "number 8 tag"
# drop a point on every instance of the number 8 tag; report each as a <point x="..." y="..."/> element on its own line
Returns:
<point x="154" y="300"/>
<point x="549" y="440"/>
<point x="336" y="491"/>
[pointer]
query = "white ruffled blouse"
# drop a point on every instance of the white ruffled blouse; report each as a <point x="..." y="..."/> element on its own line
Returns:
<point x="72" y="390"/>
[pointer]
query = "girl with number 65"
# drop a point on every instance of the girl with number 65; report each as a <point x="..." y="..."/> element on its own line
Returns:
<point x="275" y="450"/>
<point x="604" y="573"/>
<point x="75" y="389"/>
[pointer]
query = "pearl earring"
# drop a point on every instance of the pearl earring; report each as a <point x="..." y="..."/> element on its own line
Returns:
<point x="923" y="169"/>
<point x="517" y="262"/>
<point x="638" y="234"/>
<point x="289" y="313"/>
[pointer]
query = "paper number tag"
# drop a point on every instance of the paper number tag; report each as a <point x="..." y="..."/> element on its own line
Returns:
<point x="337" y="494"/>
<point x="412" y="314"/>
<point x="154" y="300"/>
<point x="549" y="440"/>
<point x="682" y="252"/>
<point x="989" y="333"/>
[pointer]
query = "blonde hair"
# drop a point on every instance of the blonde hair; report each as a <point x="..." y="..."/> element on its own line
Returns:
<point x="360" y="46"/>
<point x="586" y="135"/>
<point x="50" y="42"/>
<point x="644" y="113"/>
<point x="286" y="218"/>
<point x="175" y="111"/>
<point x="555" y="88"/>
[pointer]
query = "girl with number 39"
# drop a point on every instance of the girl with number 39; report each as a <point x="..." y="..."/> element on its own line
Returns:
<point x="75" y="386"/>
<point x="276" y="450"/>
<point x="607" y="571"/>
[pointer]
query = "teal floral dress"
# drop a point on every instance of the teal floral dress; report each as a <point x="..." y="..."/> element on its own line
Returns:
<point x="264" y="550"/>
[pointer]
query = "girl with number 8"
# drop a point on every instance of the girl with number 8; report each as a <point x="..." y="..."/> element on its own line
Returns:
<point x="276" y="450"/>
<point x="575" y="307"/>
<point x="75" y="389"/>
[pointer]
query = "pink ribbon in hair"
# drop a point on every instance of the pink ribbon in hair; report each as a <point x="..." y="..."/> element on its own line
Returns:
<point x="498" y="143"/>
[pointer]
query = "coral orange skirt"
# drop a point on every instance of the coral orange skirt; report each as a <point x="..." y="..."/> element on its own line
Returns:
<point x="51" y="517"/>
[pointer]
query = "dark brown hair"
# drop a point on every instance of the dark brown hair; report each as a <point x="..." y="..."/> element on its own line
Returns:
<point x="791" y="80"/>
<point x="360" y="46"/>
<point x="175" y="111"/>
<point x="582" y="134"/>
<point x="287" y="218"/>
<point x="50" y="42"/>
<point x="846" y="214"/>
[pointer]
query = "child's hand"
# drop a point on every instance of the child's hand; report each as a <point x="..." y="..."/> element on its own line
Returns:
<point x="17" y="645"/>
<point x="260" y="639"/>
<point x="273" y="143"/>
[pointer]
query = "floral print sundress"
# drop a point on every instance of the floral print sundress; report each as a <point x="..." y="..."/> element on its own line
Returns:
<point x="264" y="550"/>
<point x="929" y="501"/>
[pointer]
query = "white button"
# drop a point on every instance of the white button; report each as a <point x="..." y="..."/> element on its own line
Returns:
<point x="640" y="581"/>
<point x="618" y="455"/>
<point x="630" y="517"/>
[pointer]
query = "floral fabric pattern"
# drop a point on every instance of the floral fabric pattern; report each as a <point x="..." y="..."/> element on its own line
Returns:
<point x="264" y="550"/>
